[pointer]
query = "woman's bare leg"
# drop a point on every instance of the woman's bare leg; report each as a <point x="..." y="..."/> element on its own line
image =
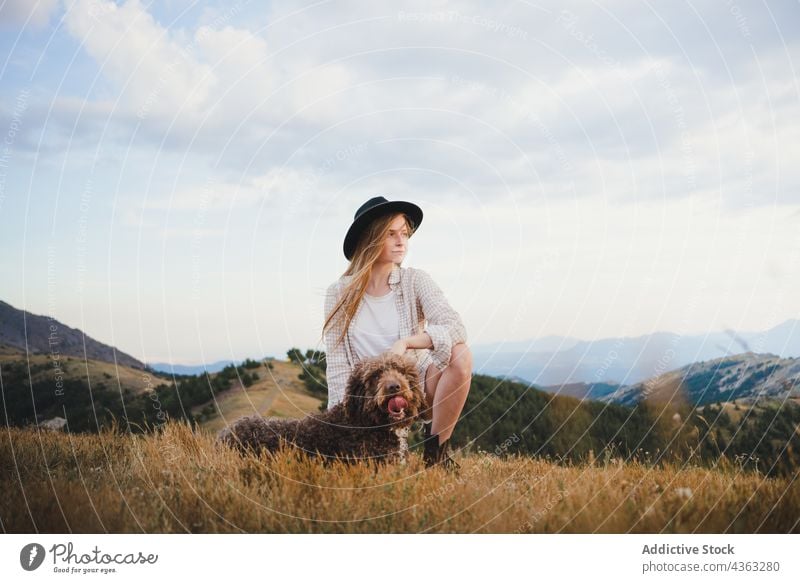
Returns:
<point x="448" y="390"/>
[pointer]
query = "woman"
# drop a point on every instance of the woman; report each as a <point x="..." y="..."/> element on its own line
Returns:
<point x="378" y="306"/>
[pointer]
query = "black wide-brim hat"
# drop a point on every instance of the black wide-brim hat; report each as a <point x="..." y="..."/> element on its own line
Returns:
<point x="373" y="208"/>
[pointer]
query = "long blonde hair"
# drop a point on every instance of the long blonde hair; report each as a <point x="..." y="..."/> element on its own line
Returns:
<point x="367" y="252"/>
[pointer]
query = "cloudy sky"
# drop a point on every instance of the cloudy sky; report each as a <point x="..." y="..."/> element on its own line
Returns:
<point x="176" y="177"/>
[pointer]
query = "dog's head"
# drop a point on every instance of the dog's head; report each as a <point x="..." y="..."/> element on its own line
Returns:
<point x="384" y="390"/>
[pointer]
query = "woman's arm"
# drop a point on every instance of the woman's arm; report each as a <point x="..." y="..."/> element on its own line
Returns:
<point x="443" y="325"/>
<point x="417" y="341"/>
<point x="337" y="370"/>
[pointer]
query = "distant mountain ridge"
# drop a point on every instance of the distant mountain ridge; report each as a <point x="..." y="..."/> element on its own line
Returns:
<point x="196" y="369"/>
<point x="46" y="335"/>
<point x="591" y="391"/>
<point x="190" y="369"/>
<point x="555" y="360"/>
<point x="638" y="361"/>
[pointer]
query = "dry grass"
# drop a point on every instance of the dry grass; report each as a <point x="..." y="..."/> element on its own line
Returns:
<point x="179" y="481"/>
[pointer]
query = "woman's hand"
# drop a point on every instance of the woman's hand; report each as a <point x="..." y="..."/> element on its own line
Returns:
<point x="399" y="347"/>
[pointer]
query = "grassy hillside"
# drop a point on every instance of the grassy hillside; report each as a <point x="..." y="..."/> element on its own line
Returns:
<point x="92" y="394"/>
<point x="88" y="393"/>
<point x="765" y="436"/>
<point x="41" y="368"/>
<point x="278" y="392"/>
<point x="767" y="430"/>
<point x="746" y="375"/>
<point x="177" y="480"/>
<point x="558" y="426"/>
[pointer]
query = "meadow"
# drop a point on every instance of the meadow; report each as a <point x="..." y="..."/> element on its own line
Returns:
<point x="176" y="480"/>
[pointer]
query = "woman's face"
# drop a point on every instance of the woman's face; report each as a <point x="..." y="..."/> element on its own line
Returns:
<point x="396" y="244"/>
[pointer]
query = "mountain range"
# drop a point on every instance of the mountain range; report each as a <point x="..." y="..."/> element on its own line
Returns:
<point x="33" y="334"/>
<point x="702" y="368"/>
<point x="556" y="360"/>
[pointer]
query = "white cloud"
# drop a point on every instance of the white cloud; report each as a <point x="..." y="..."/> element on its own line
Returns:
<point x="647" y="122"/>
<point x="155" y="74"/>
<point x="596" y="179"/>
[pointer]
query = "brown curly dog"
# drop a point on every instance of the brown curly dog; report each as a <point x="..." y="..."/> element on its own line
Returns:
<point x="382" y="399"/>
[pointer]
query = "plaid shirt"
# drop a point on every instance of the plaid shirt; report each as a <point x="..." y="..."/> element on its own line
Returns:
<point x="421" y="307"/>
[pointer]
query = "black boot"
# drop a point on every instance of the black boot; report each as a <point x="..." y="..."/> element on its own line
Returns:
<point x="437" y="453"/>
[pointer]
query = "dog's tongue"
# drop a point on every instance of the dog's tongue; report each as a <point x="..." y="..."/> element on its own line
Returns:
<point x="397" y="404"/>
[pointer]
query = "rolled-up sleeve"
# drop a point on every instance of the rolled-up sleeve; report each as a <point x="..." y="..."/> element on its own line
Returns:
<point x="336" y="368"/>
<point x="443" y="324"/>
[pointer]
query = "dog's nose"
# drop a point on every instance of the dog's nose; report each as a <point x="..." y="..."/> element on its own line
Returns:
<point x="393" y="386"/>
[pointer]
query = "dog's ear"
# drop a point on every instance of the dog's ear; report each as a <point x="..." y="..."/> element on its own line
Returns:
<point x="355" y="392"/>
<point x="408" y="366"/>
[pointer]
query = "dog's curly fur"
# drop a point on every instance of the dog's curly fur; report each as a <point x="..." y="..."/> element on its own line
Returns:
<point x="360" y="427"/>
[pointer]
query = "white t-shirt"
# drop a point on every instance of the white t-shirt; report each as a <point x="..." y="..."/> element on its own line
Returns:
<point x="376" y="327"/>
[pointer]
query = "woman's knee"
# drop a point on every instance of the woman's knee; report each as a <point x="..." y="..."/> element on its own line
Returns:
<point x="461" y="359"/>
